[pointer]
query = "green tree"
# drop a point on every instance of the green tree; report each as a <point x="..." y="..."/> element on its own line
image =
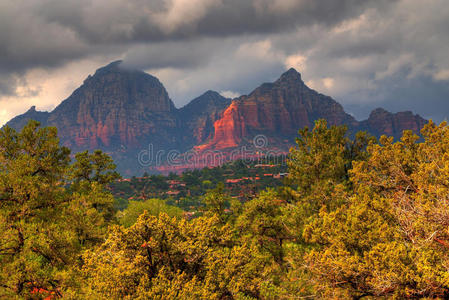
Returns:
<point x="324" y="155"/>
<point x="318" y="182"/>
<point x="216" y="201"/>
<point x="44" y="225"/>
<point x="164" y="258"/>
<point x="264" y="222"/>
<point x="93" y="167"/>
<point x="319" y="169"/>
<point x="320" y="156"/>
<point x="32" y="168"/>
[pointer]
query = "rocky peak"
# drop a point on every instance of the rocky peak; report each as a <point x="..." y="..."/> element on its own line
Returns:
<point x="114" y="66"/>
<point x="31" y="114"/>
<point x="375" y="113"/>
<point x="116" y="85"/>
<point x="209" y="99"/>
<point x="291" y="76"/>
<point x="288" y="81"/>
<point x="199" y="115"/>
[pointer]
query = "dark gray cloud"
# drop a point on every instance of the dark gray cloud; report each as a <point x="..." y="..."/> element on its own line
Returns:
<point x="50" y="32"/>
<point x="422" y="95"/>
<point x="395" y="58"/>
<point x="136" y="20"/>
<point x="364" y="53"/>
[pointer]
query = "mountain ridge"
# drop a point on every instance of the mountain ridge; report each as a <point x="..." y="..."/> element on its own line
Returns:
<point x="123" y="111"/>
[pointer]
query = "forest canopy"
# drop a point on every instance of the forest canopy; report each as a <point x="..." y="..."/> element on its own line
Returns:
<point x="355" y="218"/>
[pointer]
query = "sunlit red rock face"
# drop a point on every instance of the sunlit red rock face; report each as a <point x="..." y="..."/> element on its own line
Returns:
<point x="277" y="110"/>
<point x="228" y="130"/>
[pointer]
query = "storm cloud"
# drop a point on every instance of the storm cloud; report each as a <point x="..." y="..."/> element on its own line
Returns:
<point x="365" y="53"/>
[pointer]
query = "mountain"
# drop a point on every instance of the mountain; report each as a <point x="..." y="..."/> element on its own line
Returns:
<point x="382" y="122"/>
<point x="116" y="108"/>
<point x="276" y="110"/>
<point x="127" y="112"/>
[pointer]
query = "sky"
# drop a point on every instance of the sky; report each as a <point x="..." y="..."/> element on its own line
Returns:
<point x="363" y="53"/>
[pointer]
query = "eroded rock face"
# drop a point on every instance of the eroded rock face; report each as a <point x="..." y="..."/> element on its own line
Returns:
<point x="228" y="130"/>
<point x="115" y="107"/>
<point x="117" y="110"/>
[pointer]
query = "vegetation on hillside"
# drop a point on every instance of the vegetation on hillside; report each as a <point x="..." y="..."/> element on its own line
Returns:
<point x="242" y="179"/>
<point x="356" y="218"/>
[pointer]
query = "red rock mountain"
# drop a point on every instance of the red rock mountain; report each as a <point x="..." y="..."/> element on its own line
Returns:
<point x="124" y="111"/>
<point x="276" y="110"/>
<point x="116" y="108"/>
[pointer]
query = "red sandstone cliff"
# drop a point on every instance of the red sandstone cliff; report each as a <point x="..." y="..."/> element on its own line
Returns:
<point x="228" y="130"/>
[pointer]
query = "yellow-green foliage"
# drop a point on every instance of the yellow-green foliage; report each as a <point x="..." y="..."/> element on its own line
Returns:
<point x="356" y="219"/>
<point x="391" y="238"/>
<point x="43" y="224"/>
<point x="166" y="257"/>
